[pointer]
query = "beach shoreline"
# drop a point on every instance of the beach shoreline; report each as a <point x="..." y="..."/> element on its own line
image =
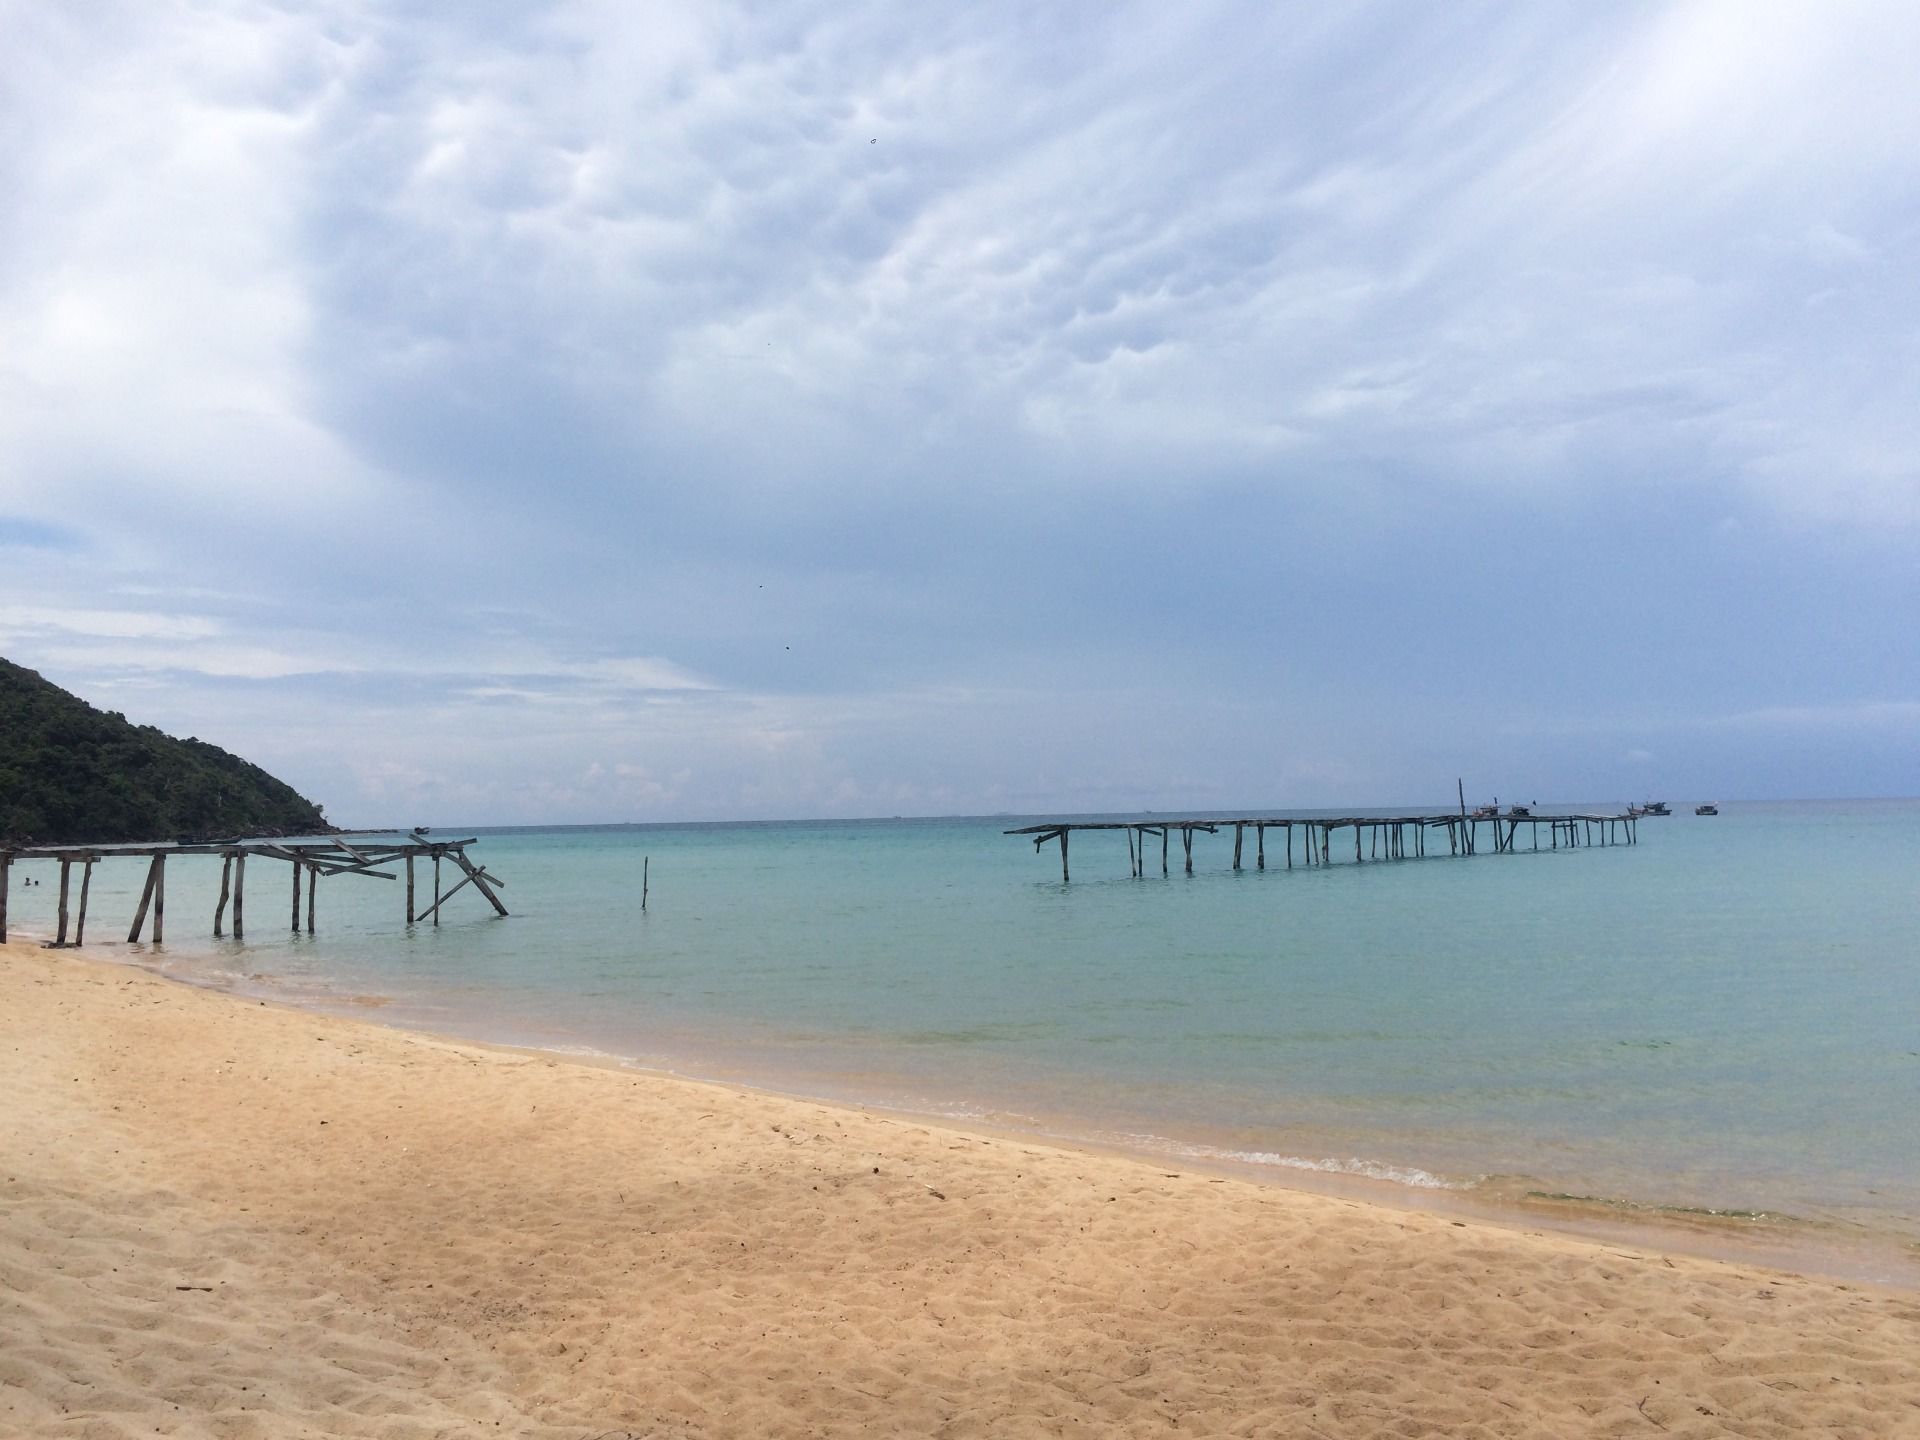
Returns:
<point x="227" y="1217"/>
<point x="1814" y="1248"/>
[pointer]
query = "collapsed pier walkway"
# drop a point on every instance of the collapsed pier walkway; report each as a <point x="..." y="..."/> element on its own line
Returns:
<point x="1375" y="837"/>
<point x="309" y="858"/>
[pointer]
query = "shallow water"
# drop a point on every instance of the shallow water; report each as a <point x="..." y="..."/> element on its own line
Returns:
<point x="1725" y="1016"/>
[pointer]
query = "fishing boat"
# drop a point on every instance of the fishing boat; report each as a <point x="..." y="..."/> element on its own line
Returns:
<point x="1706" y="809"/>
<point x="1652" y="807"/>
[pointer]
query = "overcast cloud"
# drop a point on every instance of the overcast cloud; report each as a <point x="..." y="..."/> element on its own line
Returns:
<point x="611" y="411"/>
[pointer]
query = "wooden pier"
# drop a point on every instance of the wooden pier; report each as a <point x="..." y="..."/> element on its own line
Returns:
<point x="366" y="854"/>
<point x="1375" y="837"/>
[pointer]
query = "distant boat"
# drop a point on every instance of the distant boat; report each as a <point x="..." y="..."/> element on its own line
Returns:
<point x="1706" y="809"/>
<point x="1519" y="812"/>
<point x="1652" y="807"/>
<point x="1486" y="812"/>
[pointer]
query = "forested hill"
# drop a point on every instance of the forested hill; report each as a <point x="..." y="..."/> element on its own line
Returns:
<point x="72" y="774"/>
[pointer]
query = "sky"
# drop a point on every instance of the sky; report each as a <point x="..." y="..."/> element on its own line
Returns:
<point x="516" y="413"/>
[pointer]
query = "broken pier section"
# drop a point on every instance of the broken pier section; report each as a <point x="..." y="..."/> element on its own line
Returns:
<point x="367" y="854"/>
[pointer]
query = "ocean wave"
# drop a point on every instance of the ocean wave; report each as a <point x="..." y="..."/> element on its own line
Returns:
<point x="1409" y="1175"/>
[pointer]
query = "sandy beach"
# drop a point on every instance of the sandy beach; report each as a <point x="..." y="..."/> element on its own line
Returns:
<point x="225" y="1218"/>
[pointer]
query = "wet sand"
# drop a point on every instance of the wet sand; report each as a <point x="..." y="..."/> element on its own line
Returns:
<point x="224" y="1218"/>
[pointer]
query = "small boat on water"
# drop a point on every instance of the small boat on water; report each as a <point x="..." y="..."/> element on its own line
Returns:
<point x="1486" y="812"/>
<point x="1519" y="812"/>
<point x="1706" y="809"/>
<point x="1652" y="807"/>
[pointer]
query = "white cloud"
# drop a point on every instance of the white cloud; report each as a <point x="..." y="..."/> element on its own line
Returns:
<point x="734" y="382"/>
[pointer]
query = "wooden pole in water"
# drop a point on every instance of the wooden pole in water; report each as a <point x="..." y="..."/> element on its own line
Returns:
<point x="1260" y="845"/>
<point x="294" y="926"/>
<point x="1239" y="834"/>
<point x="410" y="889"/>
<point x="1064" y="878"/>
<point x="146" y="899"/>
<point x="60" y="936"/>
<point x="239" y="894"/>
<point x="1186" y="842"/>
<point x="646" y="863"/>
<point x="86" y="880"/>
<point x="1163" y="850"/>
<point x="313" y="874"/>
<point x="160" y="899"/>
<point x="436" y="888"/>
<point x="1289" y="845"/>
<point x="226" y="889"/>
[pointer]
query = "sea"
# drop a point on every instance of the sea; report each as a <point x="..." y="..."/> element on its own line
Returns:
<point x="1720" y="1021"/>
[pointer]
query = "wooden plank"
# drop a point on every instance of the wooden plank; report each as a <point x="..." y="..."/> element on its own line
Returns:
<point x="480" y="879"/>
<point x="442" y="899"/>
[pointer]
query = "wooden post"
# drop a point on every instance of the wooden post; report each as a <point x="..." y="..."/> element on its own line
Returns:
<point x="295" y="925"/>
<point x="1186" y="842"/>
<point x="313" y="874"/>
<point x="86" y="880"/>
<point x="1356" y="842"/>
<point x="1163" y="850"/>
<point x="1289" y="845"/>
<point x="1239" y="834"/>
<point x="436" y="887"/>
<point x="146" y="899"/>
<point x="160" y="898"/>
<point x="1064" y="879"/>
<point x="239" y="894"/>
<point x="646" y="863"/>
<point x="1133" y="862"/>
<point x="1260" y="845"/>
<point x="226" y="889"/>
<point x="60" y="937"/>
<point x="410" y="890"/>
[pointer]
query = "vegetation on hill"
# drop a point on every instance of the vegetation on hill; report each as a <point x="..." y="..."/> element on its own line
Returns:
<point x="72" y="774"/>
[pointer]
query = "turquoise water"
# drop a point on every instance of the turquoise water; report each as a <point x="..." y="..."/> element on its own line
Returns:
<point x="1725" y="1015"/>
